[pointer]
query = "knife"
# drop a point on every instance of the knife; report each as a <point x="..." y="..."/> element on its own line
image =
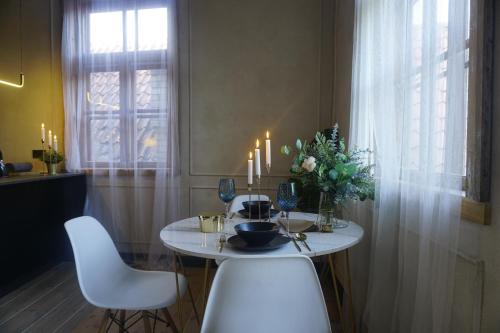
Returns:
<point x="293" y="239"/>
<point x="296" y="245"/>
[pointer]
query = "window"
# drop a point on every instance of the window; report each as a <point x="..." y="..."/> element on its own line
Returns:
<point x="418" y="32"/>
<point x="126" y="82"/>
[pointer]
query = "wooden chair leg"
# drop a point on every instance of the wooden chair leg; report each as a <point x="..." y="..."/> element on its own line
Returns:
<point x="104" y="321"/>
<point x="145" y="320"/>
<point x="122" y="321"/>
<point x="170" y="320"/>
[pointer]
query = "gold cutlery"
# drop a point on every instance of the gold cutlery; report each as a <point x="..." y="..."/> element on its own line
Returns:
<point x="222" y="240"/>
<point x="288" y="234"/>
<point x="302" y="237"/>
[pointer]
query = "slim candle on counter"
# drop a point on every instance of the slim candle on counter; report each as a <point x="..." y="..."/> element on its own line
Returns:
<point x="55" y="143"/>
<point x="250" y="169"/>
<point x="43" y="132"/>
<point x="268" y="150"/>
<point x="50" y="138"/>
<point x="257" y="158"/>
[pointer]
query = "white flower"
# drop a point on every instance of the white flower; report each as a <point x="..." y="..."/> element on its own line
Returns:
<point x="309" y="164"/>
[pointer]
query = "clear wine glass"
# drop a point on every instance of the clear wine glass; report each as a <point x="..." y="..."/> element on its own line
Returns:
<point x="287" y="200"/>
<point x="227" y="192"/>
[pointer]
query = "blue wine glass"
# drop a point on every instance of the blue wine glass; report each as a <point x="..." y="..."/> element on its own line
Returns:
<point x="287" y="200"/>
<point x="227" y="192"/>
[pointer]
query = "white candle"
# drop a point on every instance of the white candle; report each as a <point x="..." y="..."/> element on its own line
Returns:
<point x="268" y="150"/>
<point x="250" y="169"/>
<point x="257" y="158"/>
<point x="43" y="132"/>
<point x="50" y="138"/>
<point x="55" y="143"/>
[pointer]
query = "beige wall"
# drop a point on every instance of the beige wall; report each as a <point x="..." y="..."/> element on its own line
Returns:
<point x="23" y="110"/>
<point x="248" y="66"/>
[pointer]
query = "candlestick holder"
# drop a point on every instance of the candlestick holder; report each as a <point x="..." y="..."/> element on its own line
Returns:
<point x="268" y="169"/>
<point x="249" y="199"/>
<point x="43" y="159"/>
<point x="258" y="196"/>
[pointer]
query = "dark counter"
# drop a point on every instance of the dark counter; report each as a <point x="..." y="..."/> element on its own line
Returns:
<point x="33" y="209"/>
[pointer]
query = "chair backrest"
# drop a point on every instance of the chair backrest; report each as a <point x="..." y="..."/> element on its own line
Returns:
<point x="98" y="263"/>
<point x="270" y="294"/>
<point x="237" y="203"/>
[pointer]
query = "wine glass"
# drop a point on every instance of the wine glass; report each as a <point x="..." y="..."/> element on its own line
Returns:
<point x="287" y="200"/>
<point x="227" y="192"/>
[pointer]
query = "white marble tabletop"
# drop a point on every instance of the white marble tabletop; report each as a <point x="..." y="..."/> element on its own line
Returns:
<point x="185" y="237"/>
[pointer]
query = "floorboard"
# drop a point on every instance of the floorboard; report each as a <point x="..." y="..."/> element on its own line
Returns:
<point x="53" y="302"/>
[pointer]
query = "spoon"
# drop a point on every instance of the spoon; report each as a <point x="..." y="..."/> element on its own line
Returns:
<point x="302" y="237"/>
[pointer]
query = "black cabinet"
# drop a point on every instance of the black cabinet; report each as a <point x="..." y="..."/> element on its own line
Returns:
<point x="33" y="210"/>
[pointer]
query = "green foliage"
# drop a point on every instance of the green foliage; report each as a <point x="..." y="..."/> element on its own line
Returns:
<point x="341" y="172"/>
<point x="52" y="157"/>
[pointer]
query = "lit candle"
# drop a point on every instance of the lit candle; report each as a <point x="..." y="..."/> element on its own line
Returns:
<point x="250" y="169"/>
<point x="43" y="132"/>
<point x="55" y="143"/>
<point x="268" y="150"/>
<point x="50" y="138"/>
<point x="257" y="158"/>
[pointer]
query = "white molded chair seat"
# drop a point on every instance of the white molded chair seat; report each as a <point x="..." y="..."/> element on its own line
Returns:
<point x="237" y="203"/>
<point x="107" y="282"/>
<point x="266" y="294"/>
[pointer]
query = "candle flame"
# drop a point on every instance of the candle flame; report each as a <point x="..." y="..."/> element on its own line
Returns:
<point x="50" y="132"/>
<point x="55" y="137"/>
<point x="43" y="125"/>
<point x="267" y="134"/>
<point x="257" y="143"/>
<point x="250" y="155"/>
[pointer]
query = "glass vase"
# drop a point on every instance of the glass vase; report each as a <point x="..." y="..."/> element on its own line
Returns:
<point x="329" y="214"/>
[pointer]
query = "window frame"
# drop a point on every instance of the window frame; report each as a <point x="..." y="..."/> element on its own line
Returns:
<point x="127" y="112"/>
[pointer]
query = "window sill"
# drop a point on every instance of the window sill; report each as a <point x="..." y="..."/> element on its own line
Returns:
<point x="119" y="172"/>
<point x="476" y="212"/>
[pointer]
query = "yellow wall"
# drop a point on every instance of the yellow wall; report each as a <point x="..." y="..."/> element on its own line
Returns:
<point x="23" y="110"/>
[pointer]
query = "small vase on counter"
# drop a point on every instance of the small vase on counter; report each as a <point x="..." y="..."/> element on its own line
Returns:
<point x="51" y="168"/>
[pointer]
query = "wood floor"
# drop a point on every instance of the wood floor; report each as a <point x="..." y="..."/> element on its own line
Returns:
<point x="52" y="302"/>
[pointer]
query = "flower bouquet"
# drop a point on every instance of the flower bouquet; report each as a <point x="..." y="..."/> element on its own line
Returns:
<point x="327" y="167"/>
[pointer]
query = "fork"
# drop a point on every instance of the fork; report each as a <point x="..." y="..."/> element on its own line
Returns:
<point x="222" y="240"/>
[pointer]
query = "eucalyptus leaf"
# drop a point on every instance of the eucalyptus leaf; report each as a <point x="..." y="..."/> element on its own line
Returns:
<point x="333" y="174"/>
<point x="298" y="144"/>
<point x="285" y="150"/>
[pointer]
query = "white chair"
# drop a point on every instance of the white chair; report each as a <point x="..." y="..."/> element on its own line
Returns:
<point x="107" y="282"/>
<point x="237" y="203"/>
<point x="271" y="294"/>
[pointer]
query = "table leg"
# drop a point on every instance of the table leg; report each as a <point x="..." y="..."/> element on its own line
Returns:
<point x="179" y="296"/>
<point x="349" y="290"/>
<point x="334" y="280"/>
<point x="189" y="290"/>
<point x="205" y="284"/>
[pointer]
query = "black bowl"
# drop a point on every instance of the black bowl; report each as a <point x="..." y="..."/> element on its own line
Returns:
<point x="257" y="233"/>
<point x="254" y="205"/>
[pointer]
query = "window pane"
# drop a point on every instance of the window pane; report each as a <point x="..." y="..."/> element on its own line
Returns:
<point x="104" y="94"/>
<point x="104" y="140"/>
<point x="152" y="29"/>
<point x="106" y="32"/>
<point x="151" y="140"/>
<point x="151" y="88"/>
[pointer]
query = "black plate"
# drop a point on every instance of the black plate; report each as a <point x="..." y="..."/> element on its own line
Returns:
<point x="237" y="242"/>
<point x="255" y="215"/>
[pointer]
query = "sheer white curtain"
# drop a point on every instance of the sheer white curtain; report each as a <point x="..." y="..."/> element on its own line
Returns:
<point x="121" y="124"/>
<point x="409" y="107"/>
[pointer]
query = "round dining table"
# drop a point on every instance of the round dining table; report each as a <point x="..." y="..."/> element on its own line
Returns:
<point x="184" y="237"/>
